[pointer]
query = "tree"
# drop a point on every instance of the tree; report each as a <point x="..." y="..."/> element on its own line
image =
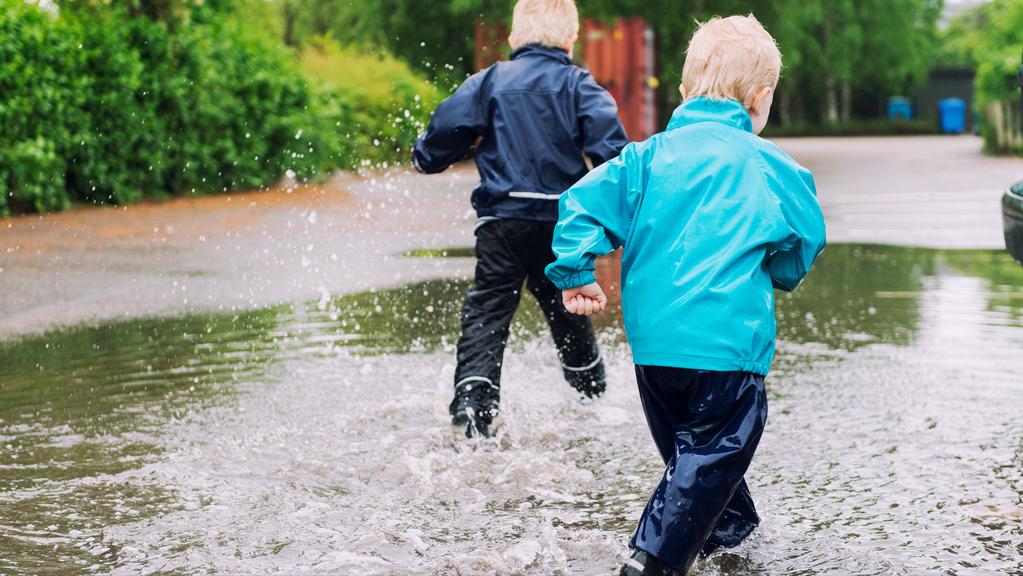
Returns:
<point x="991" y="38"/>
<point x="842" y="57"/>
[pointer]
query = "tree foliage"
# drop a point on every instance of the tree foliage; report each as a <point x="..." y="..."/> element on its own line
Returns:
<point x="369" y="108"/>
<point x="990" y="38"/>
<point x="113" y="101"/>
<point x="103" y="106"/>
<point x="842" y="57"/>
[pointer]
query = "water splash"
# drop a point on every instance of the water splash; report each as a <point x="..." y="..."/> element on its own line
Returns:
<point x="314" y="438"/>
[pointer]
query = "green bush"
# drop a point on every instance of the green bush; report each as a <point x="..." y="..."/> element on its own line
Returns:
<point x="102" y="105"/>
<point x="98" y="106"/>
<point x="113" y="154"/>
<point x="990" y="37"/>
<point x="37" y="62"/>
<point x="233" y="105"/>
<point x="371" y="106"/>
<point x="997" y="49"/>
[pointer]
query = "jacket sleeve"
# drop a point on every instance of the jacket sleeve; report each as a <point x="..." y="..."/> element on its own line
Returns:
<point x="454" y="127"/>
<point x="793" y="257"/>
<point x="602" y="131"/>
<point x="595" y="217"/>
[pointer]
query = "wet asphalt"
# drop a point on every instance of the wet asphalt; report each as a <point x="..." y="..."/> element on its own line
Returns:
<point x="293" y="244"/>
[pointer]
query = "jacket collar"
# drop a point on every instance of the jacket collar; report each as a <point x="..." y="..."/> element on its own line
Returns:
<point x="541" y="50"/>
<point x="703" y="109"/>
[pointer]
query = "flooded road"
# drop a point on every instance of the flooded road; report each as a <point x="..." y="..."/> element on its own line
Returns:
<point x="313" y="437"/>
<point x="296" y="243"/>
<point x="258" y="384"/>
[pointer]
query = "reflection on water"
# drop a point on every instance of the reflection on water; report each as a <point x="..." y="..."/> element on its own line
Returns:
<point x="314" y="438"/>
<point x="857" y="295"/>
<point x="81" y="413"/>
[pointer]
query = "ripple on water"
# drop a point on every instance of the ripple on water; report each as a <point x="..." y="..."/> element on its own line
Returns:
<point x="313" y="438"/>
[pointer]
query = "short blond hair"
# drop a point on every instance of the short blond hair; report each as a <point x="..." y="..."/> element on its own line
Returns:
<point x="730" y="58"/>
<point x="548" y="22"/>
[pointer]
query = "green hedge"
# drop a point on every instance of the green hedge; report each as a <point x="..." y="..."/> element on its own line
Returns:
<point x="371" y="106"/>
<point x="98" y="106"/>
<point x="36" y="109"/>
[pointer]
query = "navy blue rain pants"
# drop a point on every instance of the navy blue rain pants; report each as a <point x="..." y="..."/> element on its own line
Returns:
<point x="706" y="426"/>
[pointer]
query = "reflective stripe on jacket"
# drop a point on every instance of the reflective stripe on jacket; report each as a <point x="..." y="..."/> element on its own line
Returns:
<point x="711" y="218"/>
<point x="538" y="115"/>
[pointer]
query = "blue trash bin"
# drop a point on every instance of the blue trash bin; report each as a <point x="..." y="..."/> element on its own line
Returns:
<point x="952" y="113"/>
<point x="900" y="108"/>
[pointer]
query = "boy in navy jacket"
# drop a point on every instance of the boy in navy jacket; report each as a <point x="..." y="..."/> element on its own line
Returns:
<point x="536" y="117"/>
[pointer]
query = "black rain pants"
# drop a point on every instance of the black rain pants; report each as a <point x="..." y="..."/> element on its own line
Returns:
<point x="508" y="254"/>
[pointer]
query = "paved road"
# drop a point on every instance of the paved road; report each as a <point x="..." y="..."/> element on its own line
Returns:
<point x="248" y="250"/>
<point x="924" y="191"/>
<point x="229" y="252"/>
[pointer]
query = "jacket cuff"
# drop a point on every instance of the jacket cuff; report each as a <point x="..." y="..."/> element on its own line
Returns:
<point x="581" y="278"/>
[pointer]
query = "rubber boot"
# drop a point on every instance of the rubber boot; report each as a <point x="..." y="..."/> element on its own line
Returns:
<point x="643" y="564"/>
<point x="474" y="408"/>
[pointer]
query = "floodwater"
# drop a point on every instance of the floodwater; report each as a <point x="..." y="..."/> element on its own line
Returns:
<point x="314" y="438"/>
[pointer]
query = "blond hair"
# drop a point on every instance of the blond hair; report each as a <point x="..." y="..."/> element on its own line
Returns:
<point x="730" y="58"/>
<point x="548" y="22"/>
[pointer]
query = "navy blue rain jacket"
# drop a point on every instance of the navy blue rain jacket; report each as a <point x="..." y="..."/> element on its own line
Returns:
<point x="538" y="115"/>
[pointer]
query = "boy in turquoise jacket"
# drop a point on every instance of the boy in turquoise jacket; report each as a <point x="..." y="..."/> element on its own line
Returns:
<point x="712" y="219"/>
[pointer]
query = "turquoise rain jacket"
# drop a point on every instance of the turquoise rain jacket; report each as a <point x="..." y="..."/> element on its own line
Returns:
<point x="711" y="218"/>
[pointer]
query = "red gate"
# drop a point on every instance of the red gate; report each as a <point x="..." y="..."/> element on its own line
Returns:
<point x="621" y="57"/>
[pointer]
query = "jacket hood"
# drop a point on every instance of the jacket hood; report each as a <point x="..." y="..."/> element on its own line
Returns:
<point x="703" y="109"/>
<point x="541" y="50"/>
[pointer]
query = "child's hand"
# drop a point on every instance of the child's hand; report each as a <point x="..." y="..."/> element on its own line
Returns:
<point x="584" y="300"/>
